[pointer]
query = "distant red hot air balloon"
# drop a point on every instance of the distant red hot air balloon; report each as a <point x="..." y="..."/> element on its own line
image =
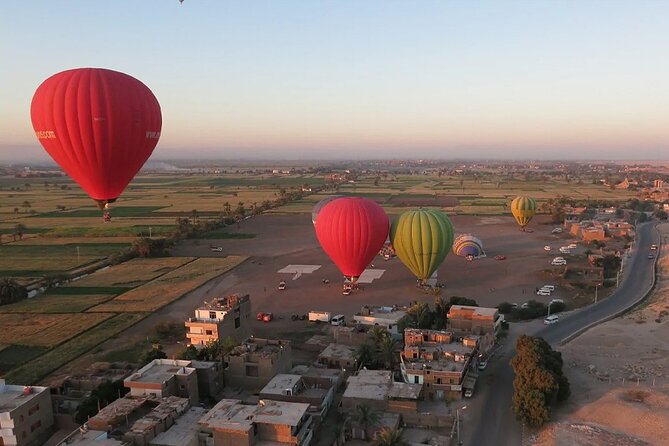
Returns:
<point x="99" y="125"/>
<point x="351" y="231"/>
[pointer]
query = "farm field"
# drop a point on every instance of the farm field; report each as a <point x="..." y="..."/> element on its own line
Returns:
<point x="132" y="273"/>
<point x="169" y="287"/>
<point x="45" y="330"/>
<point x="54" y="303"/>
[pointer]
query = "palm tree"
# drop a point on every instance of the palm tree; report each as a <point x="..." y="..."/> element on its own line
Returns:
<point x="143" y="246"/>
<point x="419" y="313"/>
<point x="365" y="417"/>
<point x="377" y="334"/>
<point x="389" y="437"/>
<point x="26" y="205"/>
<point x="441" y="308"/>
<point x="19" y="230"/>
<point x="194" y="214"/>
<point x="227" y="208"/>
<point x="387" y="350"/>
<point x="11" y="291"/>
<point x="364" y="355"/>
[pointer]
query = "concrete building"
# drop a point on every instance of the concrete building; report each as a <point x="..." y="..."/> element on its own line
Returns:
<point x="317" y="392"/>
<point x="388" y="317"/>
<point x="254" y="363"/>
<point x="268" y="423"/>
<point x="87" y="437"/>
<point x="184" y="431"/>
<point x="220" y="318"/>
<point x="337" y="356"/>
<point x="160" y="419"/>
<point x="26" y="415"/>
<point x="467" y="319"/>
<point x="165" y="377"/>
<point x="376" y="389"/>
<point x="432" y="359"/>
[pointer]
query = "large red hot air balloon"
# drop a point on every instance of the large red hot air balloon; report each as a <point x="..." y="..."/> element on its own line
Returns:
<point x="351" y="231"/>
<point x="99" y="125"/>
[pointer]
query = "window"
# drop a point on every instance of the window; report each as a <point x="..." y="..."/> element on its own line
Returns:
<point x="212" y="315"/>
<point x="36" y="425"/>
<point x="208" y="332"/>
<point x="415" y="380"/>
<point x="251" y="370"/>
<point x="237" y="322"/>
<point x="438" y="380"/>
<point x="33" y="409"/>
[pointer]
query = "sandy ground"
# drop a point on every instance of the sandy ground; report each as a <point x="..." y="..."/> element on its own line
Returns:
<point x="619" y="374"/>
<point x="282" y="240"/>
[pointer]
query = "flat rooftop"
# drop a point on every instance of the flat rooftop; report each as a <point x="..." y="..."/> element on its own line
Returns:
<point x="338" y="351"/>
<point x="280" y="383"/>
<point x="389" y="316"/>
<point x="257" y="346"/>
<point x="90" y="438"/>
<point x="184" y="430"/>
<point x="443" y="365"/>
<point x="160" y="371"/>
<point x="12" y="396"/>
<point x="379" y="385"/>
<point x="233" y="415"/>
<point x="479" y="311"/>
<point x="316" y="372"/>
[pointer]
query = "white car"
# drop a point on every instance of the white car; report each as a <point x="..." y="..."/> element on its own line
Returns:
<point x="564" y="250"/>
<point x="547" y="248"/>
<point x="549" y="287"/>
<point x="572" y="246"/>
<point x="559" y="262"/>
<point x="552" y="319"/>
<point x="468" y="393"/>
<point x="282" y="285"/>
<point x="543" y="292"/>
<point x="556" y="301"/>
<point x="556" y="230"/>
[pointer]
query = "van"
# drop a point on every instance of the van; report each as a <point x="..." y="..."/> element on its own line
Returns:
<point x="548" y="287"/>
<point x="337" y="319"/>
<point x="552" y="319"/>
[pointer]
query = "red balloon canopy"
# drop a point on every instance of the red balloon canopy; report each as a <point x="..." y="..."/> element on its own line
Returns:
<point x="99" y="125"/>
<point x="352" y="231"/>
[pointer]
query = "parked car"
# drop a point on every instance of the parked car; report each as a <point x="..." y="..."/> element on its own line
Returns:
<point x="267" y="317"/>
<point x="556" y="230"/>
<point x="549" y="287"/>
<point x="547" y="248"/>
<point x="338" y="319"/>
<point x="260" y="316"/>
<point x="651" y="256"/>
<point x="653" y="247"/>
<point x="500" y="257"/>
<point x="552" y="319"/>
<point x="543" y="292"/>
<point x="468" y="393"/>
<point x="216" y="249"/>
<point x="559" y="262"/>
<point x="282" y="285"/>
<point x="572" y="246"/>
<point x="565" y="250"/>
<point x="525" y="305"/>
<point x="483" y="365"/>
<point x="556" y="301"/>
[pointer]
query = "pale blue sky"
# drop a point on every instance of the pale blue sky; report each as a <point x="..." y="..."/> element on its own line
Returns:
<point x="279" y="78"/>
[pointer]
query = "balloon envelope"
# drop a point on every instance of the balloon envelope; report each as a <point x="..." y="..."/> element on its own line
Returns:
<point x="99" y="125"/>
<point x="319" y="206"/>
<point x="351" y="231"/>
<point x="421" y="240"/>
<point x="523" y="209"/>
<point x="467" y="245"/>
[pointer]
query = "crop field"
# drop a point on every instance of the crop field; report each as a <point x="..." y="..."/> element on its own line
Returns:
<point x="169" y="287"/>
<point x="32" y="371"/>
<point x="132" y="273"/>
<point x="45" y="330"/>
<point x="54" y="303"/>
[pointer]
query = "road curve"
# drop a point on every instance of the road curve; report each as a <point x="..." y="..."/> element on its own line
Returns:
<point x="494" y="424"/>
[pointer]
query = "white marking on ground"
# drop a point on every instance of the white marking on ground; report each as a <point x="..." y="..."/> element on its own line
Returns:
<point x="370" y="275"/>
<point x="301" y="269"/>
<point x="297" y="275"/>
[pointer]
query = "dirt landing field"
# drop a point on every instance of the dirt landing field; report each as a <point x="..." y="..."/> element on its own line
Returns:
<point x="619" y="374"/>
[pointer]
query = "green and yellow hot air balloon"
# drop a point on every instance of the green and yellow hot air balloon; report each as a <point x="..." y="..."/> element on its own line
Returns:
<point x="523" y="209"/>
<point x="421" y="239"/>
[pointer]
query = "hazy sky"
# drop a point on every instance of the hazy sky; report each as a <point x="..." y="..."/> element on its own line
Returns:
<point x="279" y="78"/>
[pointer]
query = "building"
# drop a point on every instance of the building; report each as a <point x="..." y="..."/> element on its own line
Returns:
<point x="252" y="364"/>
<point x="277" y="423"/>
<point x="388" y="317"/>
<point x="165" y="377"/>
<point x="160" y="419"/>
<point x="378" y="390"/>
<point x="26" y="415"/>
<point x="184" y="431"/>
<point x="220" y="318"/>
<point x="337" y="356"/>
<point x="467" y="319"/>
<point x="317" y="392"/>
<point x="86" y="437"/>
<point x="433" y="359"/>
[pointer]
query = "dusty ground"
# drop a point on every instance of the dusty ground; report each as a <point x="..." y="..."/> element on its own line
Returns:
<point x="619" y="374"/>
<point x="290" y="239"/>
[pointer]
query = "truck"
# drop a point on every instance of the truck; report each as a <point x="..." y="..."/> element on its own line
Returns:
<point x="320" y="316"/>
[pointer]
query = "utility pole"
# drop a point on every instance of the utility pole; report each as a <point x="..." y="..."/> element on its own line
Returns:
<point x="78" y="255"/>
<point x="149" y="231"/>
<point x="596" y="287"/>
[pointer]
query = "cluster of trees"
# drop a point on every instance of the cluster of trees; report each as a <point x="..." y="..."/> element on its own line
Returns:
<point x="534" y="309"/>
<point x="100" y="397"/>
<point x="213" y="351"/>
<point x="11" y="291"/>
<point x="363" y="418"/>
<point x="420" y="315"/>
<point x="539" y="383"/>
<point x="379" y="352"/>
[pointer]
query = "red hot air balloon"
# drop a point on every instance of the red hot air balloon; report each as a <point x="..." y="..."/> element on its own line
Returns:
<point x="351" y="231"/>
<point x="99" y="125"/>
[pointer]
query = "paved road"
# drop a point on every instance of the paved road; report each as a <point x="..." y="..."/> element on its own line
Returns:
<point x="490" y="420"/>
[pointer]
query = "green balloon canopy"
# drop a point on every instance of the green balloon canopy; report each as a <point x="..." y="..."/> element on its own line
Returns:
<point x="422" y="239"/>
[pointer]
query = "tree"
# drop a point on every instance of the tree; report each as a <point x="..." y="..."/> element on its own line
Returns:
<point x="377" y="334"/>
<point x="152" y="354"/>
<point x="227" y="208"/>
<point x="189" y="353"/>
<point x="387" y="351"/>
<point x="240" y="211"/>
<point x="19" y="230"/>
<point x="364" y="354"/>
<point x="105" y="394"/>
<point x="365" y="417"/>
<point x="661" y="214"/>
<point x="419" y="315"/>
<point x="389" y="437"/>
<point x="539" y="381"/>
<point x="194" y="215"/>
<point x="505" y="308"/>
<point x="11" y="291"/>
<point x="26" y="205"/>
